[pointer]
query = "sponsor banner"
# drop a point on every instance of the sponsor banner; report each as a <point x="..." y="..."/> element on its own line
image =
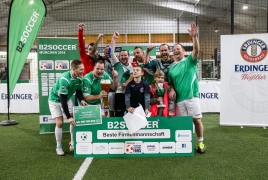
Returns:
<point x="163" y="136"/>
<point x="244" y="98"/>
<point x="84" y="137"/>
<point x="100" y="148"/>
<point x="167" y="147"/>
<point x="209" y="94"/>
<point x="116" y="148"/>
<point x="54" y="58"/>
<point x="183" y="147"/>
<point x="47" y="124"/>
<point x="47" y="119"/>
<point x="24" y="99"/>
<point x="150" y="147"/>
<point x="23" y="28"/>
<point x="84" y="148"/>
<point x="183" y="135"/>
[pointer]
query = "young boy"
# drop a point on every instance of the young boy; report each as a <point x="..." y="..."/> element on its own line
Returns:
<point x="137" y="92"/>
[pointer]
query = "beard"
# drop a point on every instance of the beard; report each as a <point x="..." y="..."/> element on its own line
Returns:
<point x="139" y="59"/>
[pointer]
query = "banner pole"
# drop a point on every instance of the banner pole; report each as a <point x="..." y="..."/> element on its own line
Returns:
<point x="20" y="40"/>
<point x="8" y="122"/>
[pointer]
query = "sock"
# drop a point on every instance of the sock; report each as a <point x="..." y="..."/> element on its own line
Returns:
<point x="58" y="135"/>
<point x="72" y="134"/>
<point x="200" y="139"/>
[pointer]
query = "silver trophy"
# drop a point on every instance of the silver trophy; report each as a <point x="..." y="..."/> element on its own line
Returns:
<point x="160" y="93"/>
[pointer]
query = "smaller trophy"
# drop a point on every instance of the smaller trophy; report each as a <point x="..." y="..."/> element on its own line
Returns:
<point x="160" y="93"/>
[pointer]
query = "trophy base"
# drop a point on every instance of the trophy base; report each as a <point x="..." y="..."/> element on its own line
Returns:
<point x="161" y="105"/>
<point x="106" y="107"/>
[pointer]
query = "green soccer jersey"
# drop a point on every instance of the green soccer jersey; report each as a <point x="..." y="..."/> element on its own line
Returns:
<point x="148" y="76"/>
<point x="65" y="84"/>
<point x="156" y="64"/>
<point x="184" y="77"/>
<point x="124" y="73"/>
<point x="91" y="86"/>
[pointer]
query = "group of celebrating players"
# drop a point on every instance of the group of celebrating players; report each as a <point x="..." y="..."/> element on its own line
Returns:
<point x="131" y="84"/>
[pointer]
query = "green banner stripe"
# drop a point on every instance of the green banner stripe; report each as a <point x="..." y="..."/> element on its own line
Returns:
<point x="25" y="20"/>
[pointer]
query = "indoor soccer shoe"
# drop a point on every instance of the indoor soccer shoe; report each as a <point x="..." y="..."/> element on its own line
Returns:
<point x="201" y="148"/>
<point x="59" y="151"/>
<point x="71" y="147"/>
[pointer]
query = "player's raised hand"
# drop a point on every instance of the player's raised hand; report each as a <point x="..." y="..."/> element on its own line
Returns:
<point x="100" y="36"/>
<point x="149" y="49"/>
<point x="81" y="26"/>
<point x="116" y="35"/>
<point x="193" y="30"/>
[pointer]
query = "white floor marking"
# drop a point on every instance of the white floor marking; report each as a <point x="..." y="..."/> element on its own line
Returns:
<point x="83" y="169"/>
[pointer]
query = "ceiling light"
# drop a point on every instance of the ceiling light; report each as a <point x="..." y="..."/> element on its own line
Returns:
<point x="245" y="7"/>
<point x="216" y="30"/>
<point x="31" y="2"/>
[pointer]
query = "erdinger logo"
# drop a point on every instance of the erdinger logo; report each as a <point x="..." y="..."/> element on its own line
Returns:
<point x="254" y="50"/>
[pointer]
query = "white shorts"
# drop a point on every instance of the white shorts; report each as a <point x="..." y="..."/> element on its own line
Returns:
<point x="111" y="100"/>
<point x="56" y="108"/>
<point x="189" y="107"/>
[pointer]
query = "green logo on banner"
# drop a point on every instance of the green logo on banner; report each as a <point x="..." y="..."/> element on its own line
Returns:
<point x="25" y="20"/>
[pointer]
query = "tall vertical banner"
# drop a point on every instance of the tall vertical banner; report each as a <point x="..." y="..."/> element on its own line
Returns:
<point x="54" y="58"/>
<point x="25" y="20"/>
<point x="244" y="80"/>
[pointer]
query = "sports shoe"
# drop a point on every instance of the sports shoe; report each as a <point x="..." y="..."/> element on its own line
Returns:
<point x="59" y="151"/>
<point x="71" y="146"/>
<point x="201" y="148"/>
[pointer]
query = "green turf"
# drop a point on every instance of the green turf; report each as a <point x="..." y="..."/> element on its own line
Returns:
<point x="232" y="153"/>
<point x="25" y="154"/>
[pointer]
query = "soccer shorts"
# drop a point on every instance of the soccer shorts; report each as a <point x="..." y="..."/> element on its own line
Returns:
<point x="56" y="108"/>
<point x="189" y="107"/>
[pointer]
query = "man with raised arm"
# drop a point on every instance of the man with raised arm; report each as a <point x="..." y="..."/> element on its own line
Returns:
<point x="162" y="64"/>
<point x="124" y="69"/>
<point x="183" y="78"/>
<point x="89" y="58"/>
<point x="138" y="59"/>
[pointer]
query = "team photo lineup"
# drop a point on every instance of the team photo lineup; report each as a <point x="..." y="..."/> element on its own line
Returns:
<point x="133" y="89"/>
<point x="163" y="87"/>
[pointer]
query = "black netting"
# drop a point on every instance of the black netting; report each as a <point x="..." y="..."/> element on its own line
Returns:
<point x="149" y="22"/>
